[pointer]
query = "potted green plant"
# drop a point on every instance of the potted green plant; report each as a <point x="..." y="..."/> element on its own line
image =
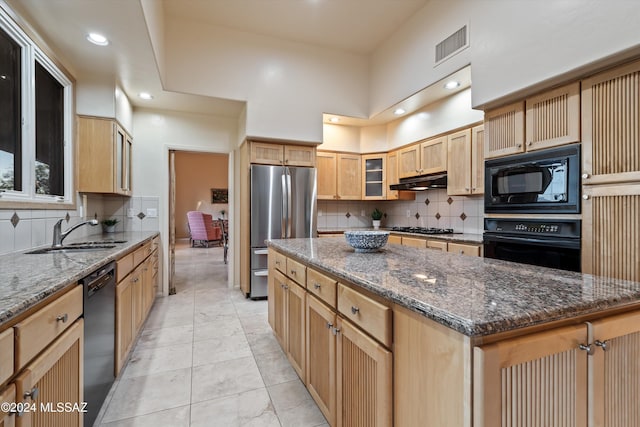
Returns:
<point x="376" y="216"/>
<point x="109" y="225"/>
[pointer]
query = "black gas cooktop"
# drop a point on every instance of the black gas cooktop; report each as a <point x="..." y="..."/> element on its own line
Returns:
<point x="423" y="230"/>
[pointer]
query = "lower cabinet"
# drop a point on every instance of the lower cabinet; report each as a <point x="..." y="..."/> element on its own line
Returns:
<point x="54" y="378"/>
<point x="124" y="322"/>
<point x="453" y="247"/>
<point x="7" y="398"/>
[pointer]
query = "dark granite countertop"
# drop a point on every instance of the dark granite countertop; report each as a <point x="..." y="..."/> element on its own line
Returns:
<point x="474" y="296"/>
<point x="455" y="237"/>
<point x="26" y="279"/>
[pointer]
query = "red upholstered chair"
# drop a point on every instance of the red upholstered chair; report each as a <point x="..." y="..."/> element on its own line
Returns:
<point x="202" y="230"/>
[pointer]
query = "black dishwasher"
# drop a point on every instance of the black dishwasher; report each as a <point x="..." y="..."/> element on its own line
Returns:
<point x="99" y="337"/>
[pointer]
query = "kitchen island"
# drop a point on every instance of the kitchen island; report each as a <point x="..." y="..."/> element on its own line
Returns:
<point x="473" y="341"/>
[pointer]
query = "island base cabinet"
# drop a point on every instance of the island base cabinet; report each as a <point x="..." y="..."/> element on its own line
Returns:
<point x="538" y="379"/>
<point x="321" y="357"/>
<point x="54" y="377"/>
<point x="7" y="396"/>
<point x="616" y="371"/>
<point x="364" y="379"/>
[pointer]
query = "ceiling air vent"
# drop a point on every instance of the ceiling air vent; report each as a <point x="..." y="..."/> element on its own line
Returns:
<point x="452" y="45"/>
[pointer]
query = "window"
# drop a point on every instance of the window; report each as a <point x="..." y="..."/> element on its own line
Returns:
<point x="35" y="122"/>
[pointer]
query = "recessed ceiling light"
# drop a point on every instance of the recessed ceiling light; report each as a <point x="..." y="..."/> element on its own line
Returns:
<point x="98" y="39"/>
<point x="334" y="120"/>
<point x="399" y="111"/>
<point x="451" y="84"/>
<point x="145" y="95"/>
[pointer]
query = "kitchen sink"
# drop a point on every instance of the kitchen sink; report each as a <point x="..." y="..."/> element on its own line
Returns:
<point x="99" y="242"/>
<point x="77" y="247"/>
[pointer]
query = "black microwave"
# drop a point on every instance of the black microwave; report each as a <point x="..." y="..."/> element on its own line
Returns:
<point x="545" y="181"/>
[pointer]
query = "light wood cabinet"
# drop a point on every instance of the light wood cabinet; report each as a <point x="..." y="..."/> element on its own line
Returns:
<point x="54" y="376"/>
<point x="464" y="248"/>
<point x="371" y="316"/>
<point x="278" y="154"/>
<point x="321" y="357"/>
<point x="277" y="306"/>
<point x="374" y="180"/>
<point x="104" y="157"/>
<point x="339" y="176"/>
<point x="327" y="174"/>
<point x="7" y="397"/>
<point x="409" y="161"/>
<point x="323" y="287"/>
<point x="6" y="355"/>
<point x="610" y="136"/>
<point x="414" y="242"/>
<point x="394" y="239"/>
<point x="364" y="379"/>
<point x="465" y="170"/>
<point x="124" y="323"/>
<point x="427" y="157"/>
<point x="437" y="244"/>
<point x="545" y="120"/>
<point x="392" y="175"/>
<point x="442" y="245"/>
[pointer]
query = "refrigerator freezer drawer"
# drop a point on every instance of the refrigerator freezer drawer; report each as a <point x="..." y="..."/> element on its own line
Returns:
<point x="259" y="258"/>
<point x="259" y="280"/>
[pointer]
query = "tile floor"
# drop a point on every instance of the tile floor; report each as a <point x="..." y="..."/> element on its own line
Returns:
<point x="207" y="357"/>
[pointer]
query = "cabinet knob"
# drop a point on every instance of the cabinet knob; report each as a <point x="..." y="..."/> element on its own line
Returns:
<point x="62" y="318"/>
<point x="585" y="196"/>
<point x="518" y="145"/>
<point x="329" y="325"/>
<point x="586" y="176"/>
<point x="335" y="331"/>
<point x="293" y="272"/>
<point x="316" y="286"/>
<point x="32" y="394"/>
<point x="529" y="143"/>
<point x="461" y="252"/>
<point x="354" y="310"/>
<point x="602" y="344"/>
<point x="467" y="188"/>
<point x="587" y="348"/>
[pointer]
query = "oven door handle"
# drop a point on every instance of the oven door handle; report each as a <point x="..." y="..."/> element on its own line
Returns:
<point x="569" y="243"/>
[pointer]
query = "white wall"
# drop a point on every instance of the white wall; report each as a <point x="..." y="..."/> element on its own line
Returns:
<point x="156" y="132"/>
<point x="123" y="109"/>
<point x="287" y="85"/>
<point x="340" y="138"/>
<point x="95" y="98"/>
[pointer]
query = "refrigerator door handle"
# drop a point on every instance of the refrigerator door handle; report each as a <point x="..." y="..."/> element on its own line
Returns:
<point x="283" y="233"/>
<point x="288" y="173"/>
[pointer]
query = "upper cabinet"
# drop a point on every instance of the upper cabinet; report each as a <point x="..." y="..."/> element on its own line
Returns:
<point x="374" y="186"/>
<point x="465" y="171"/>
<point x="423" y="158"/>
<point x="104" y="157"/>
<point x="339" y="176"/>
<point x="546" y="120"/>
<point x="278" y="154"/>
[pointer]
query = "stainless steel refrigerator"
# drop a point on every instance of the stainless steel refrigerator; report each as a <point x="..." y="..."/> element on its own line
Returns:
<point x="283" y="206"/>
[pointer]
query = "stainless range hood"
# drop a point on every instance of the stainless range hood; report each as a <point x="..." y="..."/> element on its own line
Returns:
<point x="420" y="183"/>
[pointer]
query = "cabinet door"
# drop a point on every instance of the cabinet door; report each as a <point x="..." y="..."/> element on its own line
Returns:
<point x="459" y="163"/>
<point x="477" y="160"/>
<point x="296" y="313"/>
<point x="553" y="117"/>
<point x="433" y="156"/>
<point x="7" y="396"/>
<point x="96" y="156"/>
<point x="136" y="299"/>
<point x="54" y="376"/>
<point x="409" y="161"/>
<point x="349" y="177"/>
<point x="611" y="231"/>
<point x="538" y="379"/>
<point x="364" y="379"/>
<point x="279" y="325"/>
<point x="616" y="371"/>
<point x="504" y="131"/>
<point x="321" y="357"/>
<point x="124" y="322"/>
<point x="610" y="136"/>
<point x="127" y="163"/>
<point x="373" y="177"/>
<point x="299" y="155"/>
<point x="392" y="175"/>
<point x="267" y="154"/>
<point x="327" y="175"/>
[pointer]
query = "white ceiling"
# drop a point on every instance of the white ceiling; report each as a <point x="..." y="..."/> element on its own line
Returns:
<point x="357" y="26"/>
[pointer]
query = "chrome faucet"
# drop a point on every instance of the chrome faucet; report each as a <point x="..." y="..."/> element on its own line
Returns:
<point x="59" y="235"/>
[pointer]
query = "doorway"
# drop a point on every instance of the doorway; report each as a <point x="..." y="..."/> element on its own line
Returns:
<point x="198" y="181"/>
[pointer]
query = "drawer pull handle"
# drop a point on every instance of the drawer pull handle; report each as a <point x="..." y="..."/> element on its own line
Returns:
<point x="355" y="310"/>
<point x="293" y="272"/>
<point x="316" y="286"/>
<point x="602" y="344"/>
<point x="62" y="318"/>
<point x="587" y="348"/>
<point x="32" y="394"/>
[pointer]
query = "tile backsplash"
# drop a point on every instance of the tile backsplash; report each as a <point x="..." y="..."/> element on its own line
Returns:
<point x="433" y="208"/>
<point x="22" y="229"/>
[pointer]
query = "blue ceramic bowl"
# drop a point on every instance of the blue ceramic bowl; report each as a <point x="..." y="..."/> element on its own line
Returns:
<point x="366" y="240"/>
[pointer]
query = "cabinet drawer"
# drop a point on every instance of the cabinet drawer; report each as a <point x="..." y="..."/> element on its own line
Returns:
<point x="6" y="355"/>
<point x="463" y="249"/>
<point x="437" y="244"/>
<point x="123" y="267"/>
<point x="322" y="286"/>
<point x="368" y="314"/>
<point x="281" y="262"/>
<point x="41" y="328"/>
<point x="8" y="395"/>
<point x="297" y="272"/>
<point x="414" y="242"/>
<point x="141" y="253"/>
<point x="396" y="240"/>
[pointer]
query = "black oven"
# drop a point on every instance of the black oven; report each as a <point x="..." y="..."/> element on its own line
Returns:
<point x="551" y="243"/>
<point x="545" y="181"/>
